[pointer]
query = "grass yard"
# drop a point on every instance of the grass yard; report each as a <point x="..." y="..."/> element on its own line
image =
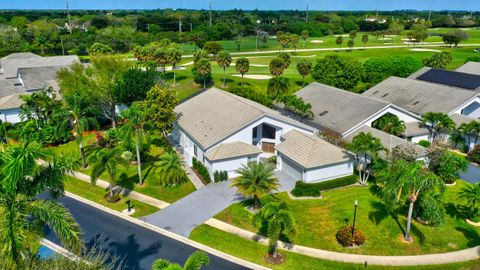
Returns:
<point x="319" y="220"/>
<point x="96" y="194"/>
<point x="254" y="252"/>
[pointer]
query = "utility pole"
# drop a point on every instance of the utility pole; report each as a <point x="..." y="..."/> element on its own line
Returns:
<point x="68" y="18"/>
<point x="376" y="16"/>
<point x="429" y="14"/>
<point x="306" y="17"/>
<point x="191" y="27"/>
<point x="179" y="26"/>
<point x="210" y="7"/>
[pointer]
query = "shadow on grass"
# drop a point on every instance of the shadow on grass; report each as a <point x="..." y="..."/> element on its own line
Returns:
<point x="417" y="233"/>
<point x="379" y="213"/>
<point x="456" y="211"/>
<point x="470" y="233"/>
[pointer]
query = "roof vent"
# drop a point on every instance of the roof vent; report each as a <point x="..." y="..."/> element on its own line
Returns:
<point x="416" y="102"/>
<point x="323" y="113"/>
<point x="385" y="95"/>
<point x="375" y="92"/>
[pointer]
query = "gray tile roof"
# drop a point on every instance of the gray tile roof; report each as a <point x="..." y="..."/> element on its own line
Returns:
<point x="413" y="129"/>
<point x="231" y="150"/>
<point x="10" y="66"/>
<point x="419" y="72"/>
<point x="213" y="115"/>
<point x="388" y="141"/>
<point x="36" y="77"/>
<point x="337" y="109"/>
<point x="8" y="88"/>
<point x="420" y="97"/>
<point x="11" y="102"/>
<point x="470" y="67"/>
<point x="461" y="119"/>
<point x="310" y="151"/>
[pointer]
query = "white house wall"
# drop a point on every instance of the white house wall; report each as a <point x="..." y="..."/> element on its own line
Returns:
<point x="229" y="165"/>
<point x="401" y="115"/>
<point x="472" y="109"/>
<point x="10" y="116"/>
<point x="417" y="139"/>
<point x="188" y="146"/>
<point x="329" y="172"/>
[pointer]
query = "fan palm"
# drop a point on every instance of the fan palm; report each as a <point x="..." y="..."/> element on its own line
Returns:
<point x="194" y="262"/>
<point x="471" y="194"/>
<point x="133" y="127"/>
<point x="303" y="109"/>
<point x="277" y="66"/>
<point x="457" y="137"/>
<point x="204" y="69"/>
<point x="286" y="59"/>
<point x="279" y="222"/>
<point x="277" y="86"/>
<point x="256" y="180"/>
<point x="242" y="66"/>
<point x="472" y="130"/>
<point x="224" y="60"/>
<point x="407" y="180"/>
<point x="24" y="215"/>
<point x="436" y="123"/>
<point x="304" y="67"/>
<point x="173" y="57"/>
<point x="170" y="167"/>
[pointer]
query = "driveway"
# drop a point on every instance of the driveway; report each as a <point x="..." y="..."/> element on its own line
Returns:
<point x="189" y="212"/>
<point x="472" y="175"/>
<point x="136" y="245"/>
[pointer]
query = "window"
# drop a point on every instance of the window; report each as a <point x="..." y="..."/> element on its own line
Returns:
<point x="268" y="132"/>
<point x="251" y="159"/>
<point x="195" y="150"/>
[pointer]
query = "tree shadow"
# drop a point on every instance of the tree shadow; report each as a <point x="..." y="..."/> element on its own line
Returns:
<point x="126" y="181"/>
<point x="132" y="251"/>
<point x="456" y="211"/>
<point x="471" y="234"/>
<point x="379" y="213"/>
<point x="418" y="233"/>
<point x="299" y="83"/>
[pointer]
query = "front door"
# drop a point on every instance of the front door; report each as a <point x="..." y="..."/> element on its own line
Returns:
<point x="268" y="147"/>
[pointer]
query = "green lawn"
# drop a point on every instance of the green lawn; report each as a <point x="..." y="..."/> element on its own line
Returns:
<point x="129" y="176"/>
<point x="319" y="220"/>
<point x="254" y="252"/>
<point x="96" y="194"/>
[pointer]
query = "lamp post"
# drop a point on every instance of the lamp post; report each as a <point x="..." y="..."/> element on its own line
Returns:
<point x="354" y="218"/>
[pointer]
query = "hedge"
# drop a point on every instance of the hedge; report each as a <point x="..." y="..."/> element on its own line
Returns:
<point x="303" y="189"/>
<point x="220" y="176"/>
<point x="201" y="170"/>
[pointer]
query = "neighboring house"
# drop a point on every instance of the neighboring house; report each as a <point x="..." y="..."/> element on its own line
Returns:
<point x="470" y="67"/>
<point x="24" y="73"/>
<point x="225" y="131"/>
<point x="446" y="77"/>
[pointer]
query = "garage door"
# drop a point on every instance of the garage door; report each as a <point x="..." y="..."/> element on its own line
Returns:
<point x="291" y="169"/>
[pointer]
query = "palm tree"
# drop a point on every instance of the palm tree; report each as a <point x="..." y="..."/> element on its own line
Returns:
<point x="288" y="101"/>
<point x="304" y="67"/>
<point x="160" y="57"/>
<point x="277" y="66"/>
<point x="24" y="215"/>
<point x="173" y="57"/>
<point x="304" y="34"/>
<point x="204" y="69"/>
<point x="339" y="41"/>
<point x="256" y="180"/>
<point x="436" y="123"/>
<point x="390" y="123"/>
<point x="407" y="180"/>
<point x="457" y="137"/>
<point x="242" y="66"/>
<point x="303" y="109"/>
<point x="194" y="262"/>
<point x="364" y="40"/>
<point x="224" y="60"/>
<point x="471" y="194"/>
<point x="368" y="146"/>
<point x="107" y="160"/>
<point x="135" y="117"/>
<point x="286" y="59"/>
<point x="43" y="43"/>
<point x="278" y="220"/>
<point x="472" y="130"/>
<point x="201" y="54"/>
<point x="277" y="86"/>
<point x="170" y="167"/>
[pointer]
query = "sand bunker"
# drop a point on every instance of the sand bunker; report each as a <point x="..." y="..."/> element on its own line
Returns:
<point x="258" y="65"/>
<point x="316" y="41"/>
<point x="423" y="50"/>
<point x="342" y="35"/>
<point x="254" y="76"/>
<point x="385" y="38"/>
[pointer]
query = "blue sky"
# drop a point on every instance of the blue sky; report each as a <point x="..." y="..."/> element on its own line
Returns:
<point x="246" y="4"/>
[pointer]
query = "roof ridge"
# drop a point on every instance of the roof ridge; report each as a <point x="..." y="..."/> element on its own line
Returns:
<point x="239" y="98"/>
<point x="351" y="93"/>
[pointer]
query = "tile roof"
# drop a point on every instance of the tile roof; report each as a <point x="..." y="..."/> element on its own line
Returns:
<point x="11" y="102"/>
<point x="231" y="150"/>
<point x="337" y="109"/>
<point x="413" y="129"/>
<point x="419" y="72"/>
<point x="452" y="78"/>
<point x="213" y="115"/>
<point x="310" y="151"/>
<point x="420" y="97"/>
<point x="10" y="66"/>
<point x="36" y="77"/>
<point x="470" y="67"/>
<point x="461" y="119"/>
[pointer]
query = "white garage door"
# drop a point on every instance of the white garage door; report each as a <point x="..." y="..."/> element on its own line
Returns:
<point x="292" y="169"/>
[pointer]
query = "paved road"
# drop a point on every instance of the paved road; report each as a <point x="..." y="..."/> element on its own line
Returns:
<point x="138" y="246"/>
<point x="472" y="175"/>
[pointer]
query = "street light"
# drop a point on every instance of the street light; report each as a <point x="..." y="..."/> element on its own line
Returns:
<point x="354" y="217"/>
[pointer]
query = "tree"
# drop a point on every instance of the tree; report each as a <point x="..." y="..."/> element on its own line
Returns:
<point x="203" y="69"/>
<point x="242" y="66"/>
<point x="339" y="71"/>
<point x="303" y="109"/>
<point x="286" y="59"/>
<point x="352" y="34"/>
<point x="438" y="60"/>
<point x="471" y="130"/>
<point x="277" y="86"/>
<point x="194" y="262"/>
<point x="170" y="168"/>
<point x="256" y="180"/>
<point x="134" y="85"/>
<point x="173" y="57"/>
<point x="277" y="66"/>
<point x="364" y="40"/>
<point x="238" y="42"/>
<point x="212" y="47"/>
<point x="100" y="49"/>
<point x="224" y="59"/>
<point x="200" y="54"/>
<point x="471" y="194"/>
<point x="278" y="221"/>
<point x="294" y="41"/>
<point x="304" y="67"/>
<point x="339" y="41"/>
<point x="304" y="34"/>
<point x="43" y="43"/>
<point x="159" y="108"/>
<point x="379" y="68"/>
<point x="390" y="123"/>
<point x="284" y="39"/>
<point x="436" y="123"/>
<point x="199" y="38"/>
<point x="446" y="164"/>
<point x="365" y="147"/>
<point x="404" y="180"/>
<point x="25" y="215"/>
<point x="135" y="118"/>
<point x="350" y="44"/>
<point x="160" y="58"/>
<point x="455" y="36"/>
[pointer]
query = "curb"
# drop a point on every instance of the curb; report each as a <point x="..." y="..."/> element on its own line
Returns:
<point x="170" y="234"/>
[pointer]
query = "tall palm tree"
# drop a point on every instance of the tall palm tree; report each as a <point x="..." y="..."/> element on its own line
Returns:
<point x="242" y="66"/>
<point x="24" y="215"/>
<point x="173" y="57"/>
<point x="407" y="180"/>
<point x="304" y="67"/>
<point x="471" y="194"/>
<point x="365" y="146"/>
<point x="170" y="167"/>
<point x="457" y="137"/>
<point x="204" y="69"/>
<point x="256" y="180"/>
<point x="286" y="59"/>
<point x="471" y="130"/>
<point x="303" y="109"/>
<point x="436" y="123"/>
<point x="277" y="86"/>
<point x="135" y="117"/>
<point x="279" y="222"/>
<point x="224" y="60"/>
<point x="194" y="262"/>
<point x="277" y="66"/>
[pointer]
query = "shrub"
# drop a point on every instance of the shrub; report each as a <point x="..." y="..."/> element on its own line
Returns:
<point x="347" y="239"/>
<point x="247" y="92"/>
<point x="303" y="189"/>
<point x="474" y="155"/>
<point x="220" y="176"/>
<point x="424" y="143"/>
<point x="201" y="170"/>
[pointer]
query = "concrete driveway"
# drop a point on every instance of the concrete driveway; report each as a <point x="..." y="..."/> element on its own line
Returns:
<point x="184" y="215"/>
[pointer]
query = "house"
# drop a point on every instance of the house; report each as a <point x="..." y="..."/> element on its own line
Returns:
<point x="470" y="68"/>
<point x="225" y="131"/>
<point x="24" y="73"/>
<point x="446" y="77"/>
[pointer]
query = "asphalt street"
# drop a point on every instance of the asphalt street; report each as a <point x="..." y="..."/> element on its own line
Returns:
<point x="137" y="246"/>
